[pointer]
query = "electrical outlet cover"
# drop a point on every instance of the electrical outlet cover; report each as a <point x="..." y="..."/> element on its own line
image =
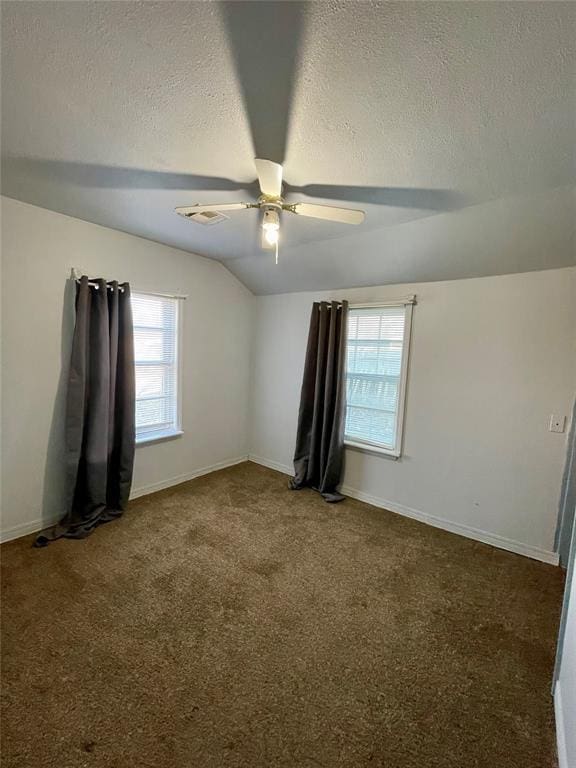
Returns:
<point x="557" y="423"/>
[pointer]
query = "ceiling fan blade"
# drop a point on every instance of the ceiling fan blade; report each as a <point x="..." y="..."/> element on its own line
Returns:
<point x="270" y="177"/>
<point x="327" y="212"/>
<point x="190" y="210"/>
<point x="396" y="197"/>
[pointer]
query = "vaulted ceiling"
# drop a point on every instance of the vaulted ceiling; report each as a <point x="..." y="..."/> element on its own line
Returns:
<point x="459" y="117"/>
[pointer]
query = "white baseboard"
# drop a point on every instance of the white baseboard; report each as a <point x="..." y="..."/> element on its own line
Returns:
<point x="284" y="468"/>
<point x="469" y="532"/>
<point x="24" y="529"/>
<point x="560" y="727"/>
<point x="144" y="490"/>
<point x="33" y="526"/>
<point x="495" y="540"/>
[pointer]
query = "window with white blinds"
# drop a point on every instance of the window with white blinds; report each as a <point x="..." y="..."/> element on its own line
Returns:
<point x="376" y="364"/>
<point x="155" y="321"/>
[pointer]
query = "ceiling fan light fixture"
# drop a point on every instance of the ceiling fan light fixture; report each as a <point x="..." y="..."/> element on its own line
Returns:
<point x="271" y="219"/>
<point x="271" y="235"/>
<point x="271" y="225"/>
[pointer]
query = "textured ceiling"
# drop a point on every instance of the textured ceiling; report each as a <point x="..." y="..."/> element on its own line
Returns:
<point x="114" y="112"/>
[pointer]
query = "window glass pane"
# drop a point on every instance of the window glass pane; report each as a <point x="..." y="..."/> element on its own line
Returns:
<point x="156" y="364"/>
<point x="148" y="310"/>
<point x="375" y="340"/>
<point x="382" y="357"/>
<point x="148" y="345"/>
<point x="154" y="411"/>
<point x="372" y="392"/>
<point x="371" y="425"/>
<point x="153" y="381"/>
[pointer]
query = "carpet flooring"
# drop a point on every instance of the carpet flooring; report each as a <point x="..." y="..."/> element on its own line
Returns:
<point x="232" y="623"/>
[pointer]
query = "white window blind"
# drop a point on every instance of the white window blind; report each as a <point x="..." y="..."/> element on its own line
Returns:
<point x="155" y="321"/>
<point x="375" y="376"/>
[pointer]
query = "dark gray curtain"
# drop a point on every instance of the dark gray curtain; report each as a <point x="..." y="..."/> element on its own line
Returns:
<point x="319" y="455"/>
<point x="100" y="410"/>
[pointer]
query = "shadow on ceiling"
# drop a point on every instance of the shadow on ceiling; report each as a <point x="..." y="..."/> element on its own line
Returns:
<point x="265" y="40"/>
<point x="89" y="175"/>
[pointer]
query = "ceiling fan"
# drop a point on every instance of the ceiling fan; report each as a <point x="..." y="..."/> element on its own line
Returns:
<point x="272" y="204"/>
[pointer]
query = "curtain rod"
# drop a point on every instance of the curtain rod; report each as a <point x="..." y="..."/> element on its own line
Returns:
<point x="400" y="301"/>
<point x="396" y="302"/>
<point x="163" y="295"/>
<point x="74" y="275"/>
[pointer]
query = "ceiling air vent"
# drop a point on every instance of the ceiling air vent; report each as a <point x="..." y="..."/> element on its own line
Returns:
<point x="208" y="218"/>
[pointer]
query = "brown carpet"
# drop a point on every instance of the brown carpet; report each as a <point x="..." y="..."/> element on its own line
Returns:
<point x="230" y="622"/>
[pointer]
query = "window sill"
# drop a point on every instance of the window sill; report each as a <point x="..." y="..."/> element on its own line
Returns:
<point x="375" y="449"/>
<point x="159" y="438"/>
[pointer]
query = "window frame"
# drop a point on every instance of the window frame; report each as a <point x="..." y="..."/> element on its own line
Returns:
<point x="177" y="430"/>
<point x="366" y="446"/>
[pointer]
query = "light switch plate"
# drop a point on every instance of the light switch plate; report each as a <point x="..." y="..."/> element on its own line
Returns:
<point x="557" y="423"/>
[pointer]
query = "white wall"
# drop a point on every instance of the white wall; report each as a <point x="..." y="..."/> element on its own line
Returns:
<point x="491" y="359"/>
<point x="39" y="248"/>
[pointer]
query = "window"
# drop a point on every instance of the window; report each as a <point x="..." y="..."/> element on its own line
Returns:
<point x="376" y="366"/>
<point x="156" y="358"/>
